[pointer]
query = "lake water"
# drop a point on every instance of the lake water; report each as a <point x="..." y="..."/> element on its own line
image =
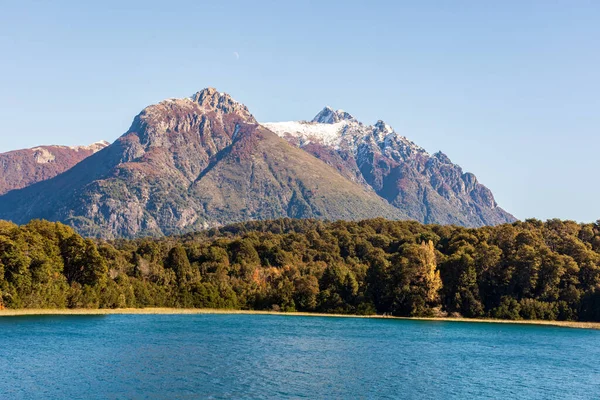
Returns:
<point x="262" y="356"/>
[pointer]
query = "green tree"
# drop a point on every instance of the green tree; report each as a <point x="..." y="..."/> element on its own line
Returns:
<point x="178" y="261"/>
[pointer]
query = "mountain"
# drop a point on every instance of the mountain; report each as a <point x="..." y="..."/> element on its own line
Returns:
<point x="428" y="188"/>
<point x="193" y="163"/>
<point x="21" y="168"/>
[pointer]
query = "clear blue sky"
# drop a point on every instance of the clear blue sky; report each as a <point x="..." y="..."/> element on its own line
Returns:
<point x="510" y="90"/>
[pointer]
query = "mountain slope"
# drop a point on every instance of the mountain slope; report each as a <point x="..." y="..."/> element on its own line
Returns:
<point x="21" y="168"/>
<point x="428" y="188"/>
<point x="261" y="176"/>
<point x="192" y="163"/>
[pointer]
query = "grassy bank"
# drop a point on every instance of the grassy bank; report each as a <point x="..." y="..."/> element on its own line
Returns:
<point x="151" y="311"/>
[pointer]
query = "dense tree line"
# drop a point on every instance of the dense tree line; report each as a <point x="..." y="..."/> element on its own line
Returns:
<point x="525" y="270"/>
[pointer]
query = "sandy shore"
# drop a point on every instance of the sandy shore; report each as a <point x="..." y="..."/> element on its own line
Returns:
<point x="150" y="311"/>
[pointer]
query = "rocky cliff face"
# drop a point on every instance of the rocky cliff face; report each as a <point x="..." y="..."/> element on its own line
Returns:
<point x="427" y="188"/>
<point x="21" y="168"/>
<point x="187" y="164"/>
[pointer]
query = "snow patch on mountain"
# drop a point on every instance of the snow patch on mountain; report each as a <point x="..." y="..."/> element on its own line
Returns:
<point x="309" y="132"/>
<point x="339" y="130"/>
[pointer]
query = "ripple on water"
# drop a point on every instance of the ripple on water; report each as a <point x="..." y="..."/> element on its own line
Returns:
<point x="262" y="356"/>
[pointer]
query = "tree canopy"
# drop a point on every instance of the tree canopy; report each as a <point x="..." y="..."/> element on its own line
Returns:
<point x="525" y="270"/>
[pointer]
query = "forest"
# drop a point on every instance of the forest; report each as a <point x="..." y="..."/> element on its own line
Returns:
<point x="525" y="270"/>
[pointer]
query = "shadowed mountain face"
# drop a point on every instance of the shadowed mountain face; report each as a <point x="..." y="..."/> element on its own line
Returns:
<point x="21" y="168"/>
<point x="193" y="163"/>
<point x="428" y="188"/>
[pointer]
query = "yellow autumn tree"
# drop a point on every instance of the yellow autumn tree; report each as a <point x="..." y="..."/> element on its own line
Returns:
<point x="428" y="272"/>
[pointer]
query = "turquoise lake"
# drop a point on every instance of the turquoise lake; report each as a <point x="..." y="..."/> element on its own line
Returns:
<point x="262" y="356"/>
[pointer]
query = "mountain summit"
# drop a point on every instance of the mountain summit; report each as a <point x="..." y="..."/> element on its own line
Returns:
<point x="212" y="100"/>
<point x="330" y="116"/>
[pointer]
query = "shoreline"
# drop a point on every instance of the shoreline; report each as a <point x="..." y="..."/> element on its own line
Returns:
<point x="197" y="311"/>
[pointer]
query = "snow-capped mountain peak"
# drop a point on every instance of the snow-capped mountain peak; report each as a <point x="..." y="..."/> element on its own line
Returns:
<point x="339" y="130"/>
<point x="430" y="187"/>
<point x="330" y="116"/>
<point x="328" y="134"/>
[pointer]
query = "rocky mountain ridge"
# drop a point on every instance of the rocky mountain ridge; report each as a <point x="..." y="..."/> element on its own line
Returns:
<point x="429" y="188"/>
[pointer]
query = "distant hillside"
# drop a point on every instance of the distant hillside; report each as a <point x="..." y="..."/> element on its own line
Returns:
<point x="21" y="168"/>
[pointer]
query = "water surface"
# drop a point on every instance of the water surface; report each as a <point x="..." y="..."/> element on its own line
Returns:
<point x="266" y="356"/>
